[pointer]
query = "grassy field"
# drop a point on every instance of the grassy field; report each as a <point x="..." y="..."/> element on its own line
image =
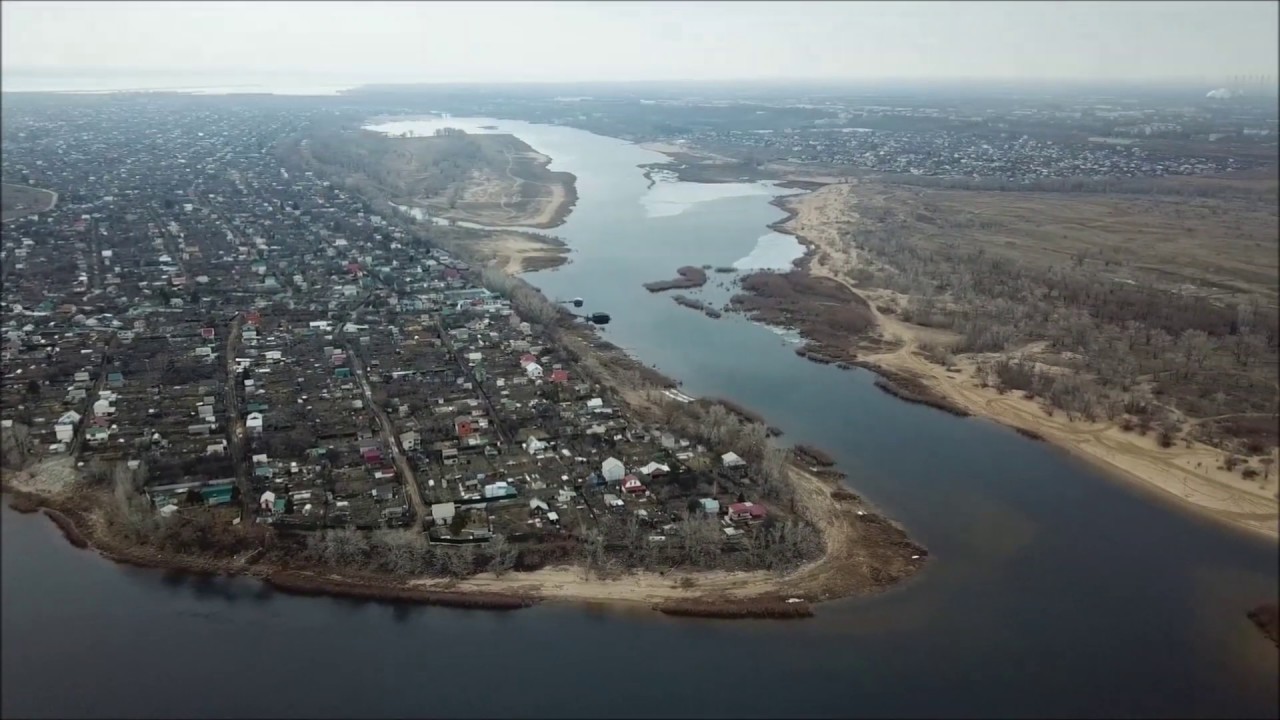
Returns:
<point x="1216" y="247"/>
<point x="19" y="200"/>
<point x="494" y="180"/>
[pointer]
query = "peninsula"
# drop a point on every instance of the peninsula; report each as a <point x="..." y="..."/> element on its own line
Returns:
<point x="295" y="380"/>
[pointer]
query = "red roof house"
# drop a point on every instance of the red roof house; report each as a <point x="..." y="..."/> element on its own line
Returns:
<point x="747" y="512"/>
<point x="559" y="376"/>
<point x="463" y="425"/>
<point x="632" y="484"/>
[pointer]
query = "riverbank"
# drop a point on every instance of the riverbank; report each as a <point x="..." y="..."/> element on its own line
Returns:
<point x="1188" y="473"/>
<point x="862" y="552"/>
<point x="516" y="253"/>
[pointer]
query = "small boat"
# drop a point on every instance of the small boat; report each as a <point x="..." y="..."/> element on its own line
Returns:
<point x="577" y="302"/>
<point x="599" y="318"/>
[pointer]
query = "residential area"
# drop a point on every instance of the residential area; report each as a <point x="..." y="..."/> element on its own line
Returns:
<point x="199" y="331"/>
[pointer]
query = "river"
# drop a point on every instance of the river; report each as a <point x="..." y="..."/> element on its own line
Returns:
<point x="1051" y="590"/>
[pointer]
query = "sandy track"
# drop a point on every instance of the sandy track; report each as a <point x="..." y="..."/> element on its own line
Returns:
<point x="502" y="200"/>
<point x="514" y="253"/>
<point x="847" y="567"/>
<point x="1188" y="474"/>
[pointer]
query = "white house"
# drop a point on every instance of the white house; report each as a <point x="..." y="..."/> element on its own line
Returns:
<point x="103" y="408"/>
<point x="65" y="428"/>
<point x="267" y="501"/>
<point x="533" y="370"/>
<point x="253" y="423"/>
<point x="731" y="460"/>
<point x="534" y="446"/>
<point x="410" y="440"/>
<point x="654" y="467"/>
<point x="612" y="470"/>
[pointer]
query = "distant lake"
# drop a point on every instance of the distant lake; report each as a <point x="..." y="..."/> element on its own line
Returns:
<point x="1052" y="591"/>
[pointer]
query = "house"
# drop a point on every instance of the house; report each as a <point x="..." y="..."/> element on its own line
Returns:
<point x="612" y="501"/>
<point x="731" y="461"/>
<point x="218" y="448"/>
<point x="533" y="445"/>
<point x="207" y="333"/>
<point x="463" y="425"/>
<point x="253" y="423"/>
<point x="534" y="371"/>
<point x="115" y="379"/>
<point x="747" y="512"/>
<point x="498" y="490"/>
<point x="612" y="470"/>
<point x="103" y="408"/>
<point x="97" y="435"/>
<point x="442" y="513"/>
<point x="710" y="506"/>
<point x="560" y="376"/>
<point x="632" y="484"/>
<point x="654" y="469"/>
<point x="267" y="503"/>
<point x="410" y="441"/>
<point x="65" y="428"/>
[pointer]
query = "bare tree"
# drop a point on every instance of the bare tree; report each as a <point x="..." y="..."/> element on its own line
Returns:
<point x="402" y="551"/>
<point x="595" y="556"/>
<point x="15" y="445"/>
<point x="699" y="540"/>
<point x="459" y="562"/>
<point x="502" y="555"/>
<point x="345" y="547"/>
<point x="753" y="441"/>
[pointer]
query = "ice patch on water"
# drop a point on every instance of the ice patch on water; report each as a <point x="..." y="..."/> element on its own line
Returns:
<point x="774" y="251"/>
<point x="665" y="199"/>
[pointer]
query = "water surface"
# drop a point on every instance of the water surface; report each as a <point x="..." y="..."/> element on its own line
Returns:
<point x="1052" y="591"/>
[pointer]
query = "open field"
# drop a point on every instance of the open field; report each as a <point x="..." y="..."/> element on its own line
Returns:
<point x="1191" y="413"/>
<point x="494" y="180"/>
<point x="19" y="201"/>
<point x="1217" y="248"/>
<point x="516" y="253"/>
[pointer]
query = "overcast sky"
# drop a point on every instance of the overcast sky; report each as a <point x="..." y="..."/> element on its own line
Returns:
<point x="573" y="41"/>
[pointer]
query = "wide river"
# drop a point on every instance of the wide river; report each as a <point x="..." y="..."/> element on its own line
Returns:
<point x="1051" y="590"/>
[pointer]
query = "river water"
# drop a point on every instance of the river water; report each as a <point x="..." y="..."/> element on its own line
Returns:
<point x="1051" y="590"/>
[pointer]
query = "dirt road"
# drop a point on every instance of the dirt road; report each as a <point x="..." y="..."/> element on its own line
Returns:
<point x="389" y="439"/>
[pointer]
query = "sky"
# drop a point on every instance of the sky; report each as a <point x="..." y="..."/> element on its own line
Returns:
<point x="336" y="42"/>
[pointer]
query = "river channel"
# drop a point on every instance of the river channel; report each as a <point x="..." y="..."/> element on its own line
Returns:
<point x="1051" y="590"/>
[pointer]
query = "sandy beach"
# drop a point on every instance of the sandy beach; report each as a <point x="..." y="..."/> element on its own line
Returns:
<point x="1190" y="475"/>
<point x="515" y="253"/>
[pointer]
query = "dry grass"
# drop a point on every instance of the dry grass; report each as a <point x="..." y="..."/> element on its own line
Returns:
<point x="1224" y="247"/>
